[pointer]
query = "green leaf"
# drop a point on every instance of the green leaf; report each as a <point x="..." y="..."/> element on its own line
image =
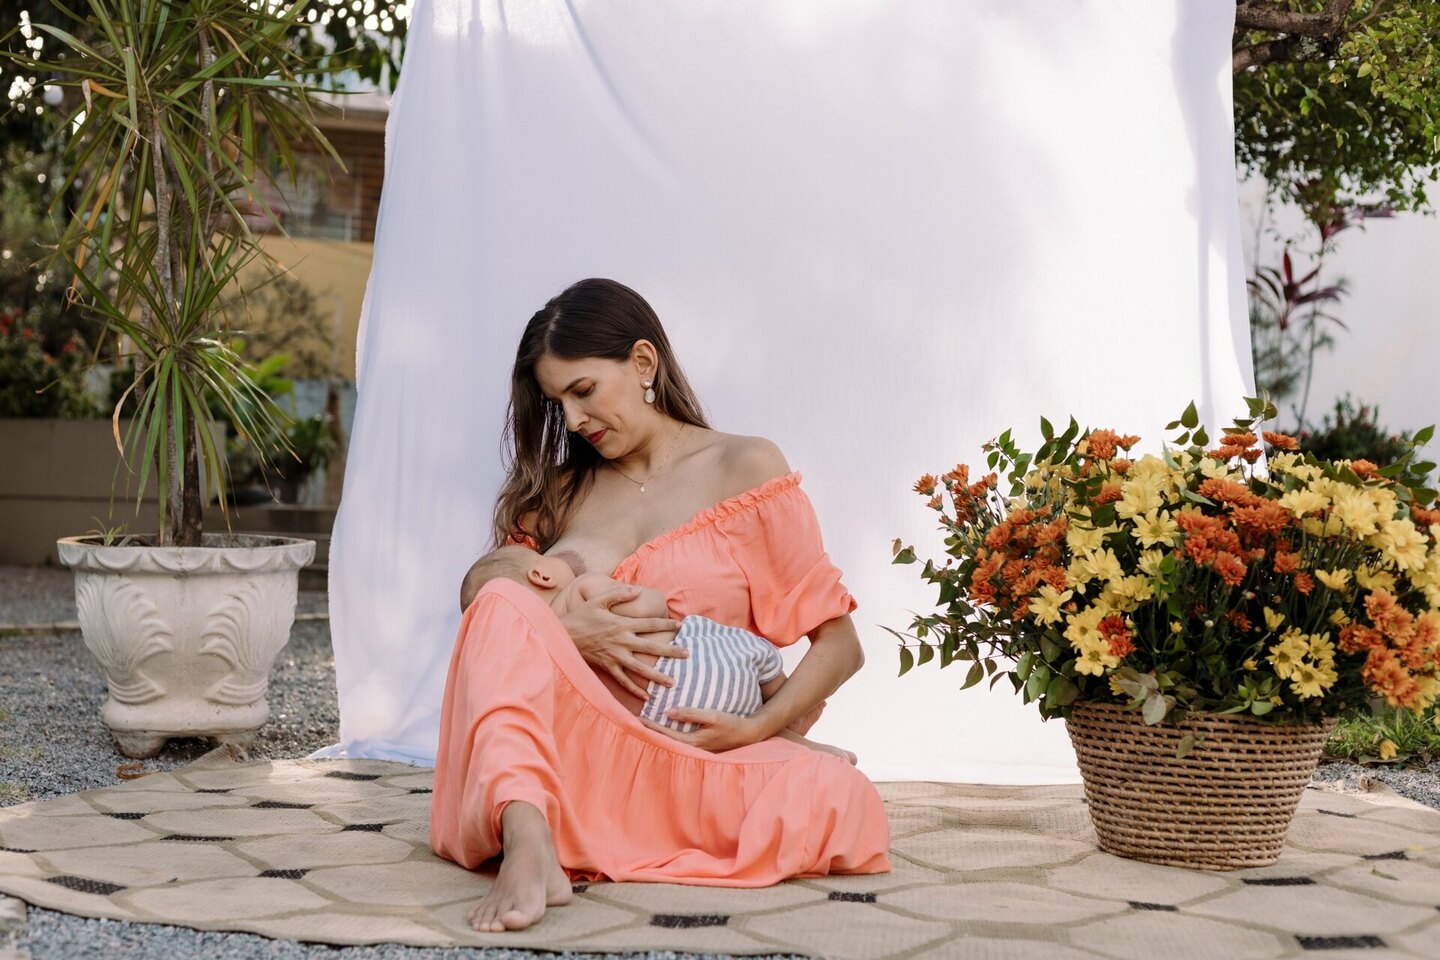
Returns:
<point x="1261" y="707"/>
<point x="927" y="653"/>
<point x="907" y="660"/>
<point x="1154" y="710"/>
<point x="1185" y="747"/>
<point x="1190" y="419"/>
<point x="906" y="555"/>
<point x="1423" y="435"/>
<point x="1201" y="437"/>
<point x="974" y="676"/>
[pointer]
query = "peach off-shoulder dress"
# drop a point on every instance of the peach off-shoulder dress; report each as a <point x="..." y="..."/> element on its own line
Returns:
<point x="526" y="718"/>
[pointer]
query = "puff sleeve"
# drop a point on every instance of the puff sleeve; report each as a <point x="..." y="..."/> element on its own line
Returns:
<point x="794" y="587"/>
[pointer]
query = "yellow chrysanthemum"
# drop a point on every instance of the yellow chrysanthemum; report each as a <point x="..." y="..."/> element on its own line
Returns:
<point x="1301" y="502"/>
<point x="1139" y="496"/>
<point x="1214" y="469"/>
<point x="1388" y="749"/>
<point x="1331" y="526"/>
<point x="1155" y="527"/>
<point x="1322" y="648"/>
<point x="1357" y="511"/>
<point x="1082" y="626"/>
<point x="1287" y="655"/>
<point x="1403" y="545"/>
<point x="1045" y="606"/>
<point x="1339" y="618"/>
<point x="1375" y="580"/>
<point x="1336" y="580"/>
<point x="1250" y="665"/>
<point x="1083" y="539"/>
<point x="1096" y="658"/>
<point x="1273" y="620"/>
<point x="1309" y="680"/>
<point x="1150" y="561"/>
<point x="1283" y="462"/>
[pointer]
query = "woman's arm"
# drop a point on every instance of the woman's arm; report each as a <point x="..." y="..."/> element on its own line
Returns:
<point x="834" y="657"/>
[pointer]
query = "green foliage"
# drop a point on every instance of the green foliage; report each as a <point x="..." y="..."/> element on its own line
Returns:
<point x="35" y="382"/>
<point x="1349" y="120"/>
<point x="1413" y="738"/>
<point x="163" y="126"/>
<point x="1354" y="433"/>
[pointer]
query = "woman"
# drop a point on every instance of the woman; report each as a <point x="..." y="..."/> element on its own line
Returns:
<point x="614" y="468"/>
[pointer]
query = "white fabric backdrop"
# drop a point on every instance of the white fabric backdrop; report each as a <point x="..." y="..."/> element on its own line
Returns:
<point x="878" y="232"/>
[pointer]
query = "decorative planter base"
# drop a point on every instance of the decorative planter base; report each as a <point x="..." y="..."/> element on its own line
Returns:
<point x="186" y="636"/>
<point x="1226" y="806"/>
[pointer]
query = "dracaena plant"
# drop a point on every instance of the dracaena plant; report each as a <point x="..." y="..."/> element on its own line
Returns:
<point x="170" y="105"/>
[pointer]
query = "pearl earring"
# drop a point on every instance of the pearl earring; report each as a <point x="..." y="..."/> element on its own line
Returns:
<point x="649" y="391"/>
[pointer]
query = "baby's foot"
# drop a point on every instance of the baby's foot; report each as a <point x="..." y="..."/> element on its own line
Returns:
<point x="805" y="721"/>
<point x="530" y="877"/>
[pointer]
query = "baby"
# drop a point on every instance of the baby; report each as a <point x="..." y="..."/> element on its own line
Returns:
<point x="728" y="669"/>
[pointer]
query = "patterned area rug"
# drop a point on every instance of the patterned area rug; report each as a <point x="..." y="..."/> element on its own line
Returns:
<point x="336" y="851"/>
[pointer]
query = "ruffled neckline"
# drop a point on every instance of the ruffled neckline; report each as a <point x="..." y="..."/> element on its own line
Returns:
<point x="729" y="507"/>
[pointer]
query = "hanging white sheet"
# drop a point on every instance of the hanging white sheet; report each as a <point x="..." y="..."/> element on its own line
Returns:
<point x="878" y="232"/>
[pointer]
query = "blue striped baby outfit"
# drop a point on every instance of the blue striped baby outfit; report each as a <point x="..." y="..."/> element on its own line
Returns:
<point x="724" y="672"/>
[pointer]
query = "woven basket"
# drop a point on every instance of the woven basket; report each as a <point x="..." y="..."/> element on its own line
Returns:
<point x="1225" y="806"/>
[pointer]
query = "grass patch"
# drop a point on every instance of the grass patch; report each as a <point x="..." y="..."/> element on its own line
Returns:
<point x="1363" y="739"/>
<point x="12" y="792"/>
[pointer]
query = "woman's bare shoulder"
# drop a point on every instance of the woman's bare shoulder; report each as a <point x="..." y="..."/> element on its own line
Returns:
<point x="748" y="462"/>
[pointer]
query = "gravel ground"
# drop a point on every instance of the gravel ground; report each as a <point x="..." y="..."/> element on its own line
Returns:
<point x="53" y="743"/>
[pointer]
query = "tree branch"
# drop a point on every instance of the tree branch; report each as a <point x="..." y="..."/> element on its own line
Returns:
<point x="1284" y="50"/>
<point x="1266" y="16"/>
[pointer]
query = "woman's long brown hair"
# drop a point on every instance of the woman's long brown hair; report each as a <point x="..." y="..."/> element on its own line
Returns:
<point x="546" y="470"/>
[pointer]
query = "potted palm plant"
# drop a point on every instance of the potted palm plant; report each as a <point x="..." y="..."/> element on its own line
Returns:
<point x="169" y="107"/>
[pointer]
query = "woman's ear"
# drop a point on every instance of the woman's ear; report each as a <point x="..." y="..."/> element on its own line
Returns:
<point x="645" y="359"/>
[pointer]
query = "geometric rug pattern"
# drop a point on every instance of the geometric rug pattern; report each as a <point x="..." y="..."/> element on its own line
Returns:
<point x="336" y="851"/>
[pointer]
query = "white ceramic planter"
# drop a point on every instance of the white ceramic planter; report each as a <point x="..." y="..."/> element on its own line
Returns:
<point x="186" y="635"/>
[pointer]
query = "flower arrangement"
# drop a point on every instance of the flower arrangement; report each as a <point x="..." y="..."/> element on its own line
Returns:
<point x="1247" y="578"/>
<point x="34" y="382"/>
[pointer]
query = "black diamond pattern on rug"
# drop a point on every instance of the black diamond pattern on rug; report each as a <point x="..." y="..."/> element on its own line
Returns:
<point x="1277" y="881"/>
<point x="421" y="790"/>
<point x="1142" y="905"/>
<point x="579" y="887"/>
<point x="368" y="827"/>
<point x="285" y="874"/>
<point x="1333" y="813"/>
<point x="214" y="790"/>
<point x="688" y="921"/>
<point x="844" y="897"/>
<point x="16" y="850"/>
<point x="128" y="816"/>
<point x="347" y="775"/>
<point x="1339" y="943"/>
<point x="195" y="838"/>
<point x="281" y="805"/>
<point x="1392" y="855"/>
<point x="86" y="885"/>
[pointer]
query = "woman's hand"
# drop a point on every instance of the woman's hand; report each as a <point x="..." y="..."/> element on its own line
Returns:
<point x="610" y="641"/>
<point x="718" y="731"/>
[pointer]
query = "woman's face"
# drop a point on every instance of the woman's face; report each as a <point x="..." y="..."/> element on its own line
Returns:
<point x="603" y="400"/>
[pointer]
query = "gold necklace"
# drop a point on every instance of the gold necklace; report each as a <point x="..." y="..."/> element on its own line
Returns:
<point x="669" y="451"/>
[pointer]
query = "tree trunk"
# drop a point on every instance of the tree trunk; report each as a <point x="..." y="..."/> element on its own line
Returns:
<point x="194" y="494"/>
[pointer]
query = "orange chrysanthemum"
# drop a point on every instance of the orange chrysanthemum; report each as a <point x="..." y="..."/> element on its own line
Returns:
<point x="1286" y="562"/>
<point x="1240" y="440"/>
<point x="1364" y="468"/>
<point x="1117" y="634"/>
<point x="925" y="486"/>
<point x="1230" y="568"/>
<point x="1281" y="441"/>
<point x="1304" y="583"/>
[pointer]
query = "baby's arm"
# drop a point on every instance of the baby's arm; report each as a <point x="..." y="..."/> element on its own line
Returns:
<point x="768" y="690"/>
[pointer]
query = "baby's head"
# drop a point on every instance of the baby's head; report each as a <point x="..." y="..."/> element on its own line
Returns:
<point x="544" y="575"/>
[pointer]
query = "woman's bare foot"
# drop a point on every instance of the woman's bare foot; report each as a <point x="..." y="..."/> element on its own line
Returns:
<point x="530" y="878"/>
<point x="840" y="752"/>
